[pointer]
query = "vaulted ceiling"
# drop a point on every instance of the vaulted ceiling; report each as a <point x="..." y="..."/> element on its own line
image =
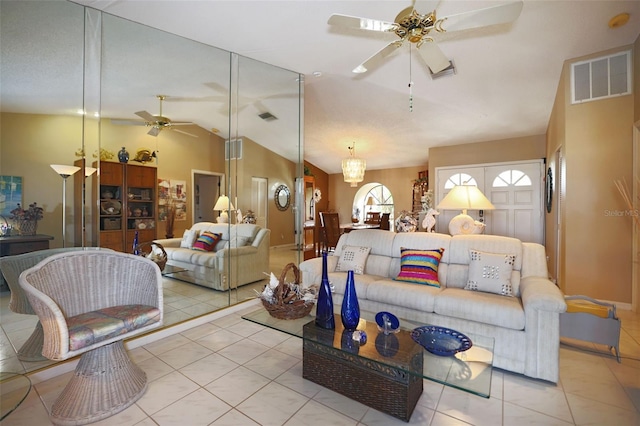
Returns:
<point x="506" y="79"/>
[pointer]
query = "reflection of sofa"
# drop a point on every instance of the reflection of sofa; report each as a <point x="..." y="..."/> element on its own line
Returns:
<point x="239" y="258"/>
<point x="525" y="327"/>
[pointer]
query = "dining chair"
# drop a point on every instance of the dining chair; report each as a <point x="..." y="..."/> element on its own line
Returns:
<point x="331" y="232"/>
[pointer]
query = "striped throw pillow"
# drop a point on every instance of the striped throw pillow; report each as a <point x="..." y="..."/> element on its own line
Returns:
<point x="420" y="266"/>
<point x="207" y="241"/>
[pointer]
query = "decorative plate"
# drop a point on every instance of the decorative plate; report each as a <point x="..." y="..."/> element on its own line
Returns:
<point x="393" y="323"/>
<point x="441" y="341"/>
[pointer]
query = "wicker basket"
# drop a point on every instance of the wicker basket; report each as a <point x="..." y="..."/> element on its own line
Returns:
<point x="145" y="250"/>
<point x="288" y="305"/>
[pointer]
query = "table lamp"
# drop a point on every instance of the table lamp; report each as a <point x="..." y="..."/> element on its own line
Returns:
<point x="223" y="205"/>
<point x="465" y="197"/>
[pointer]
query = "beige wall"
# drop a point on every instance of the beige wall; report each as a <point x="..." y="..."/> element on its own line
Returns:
<point x="398" y="181"/>
<point x="258" y="161"/>
<point x="514" y="149"/>
<point x="596" y="139"/>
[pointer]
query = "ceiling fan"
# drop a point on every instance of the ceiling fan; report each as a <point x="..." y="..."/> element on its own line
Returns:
<point x="157" y="122"/>
<point x="418" y="26"/>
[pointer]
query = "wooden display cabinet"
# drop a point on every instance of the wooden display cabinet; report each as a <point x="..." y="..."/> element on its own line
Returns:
<point x="142" y="200"/>
<point x="128" y="203"/>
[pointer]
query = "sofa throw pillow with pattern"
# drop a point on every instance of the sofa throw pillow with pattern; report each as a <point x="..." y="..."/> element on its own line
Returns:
<point x="207" y="241"/>
<point x="188" y="238"/>
<point x="420" y="266"/>
<point x="353" y="258"/>
<point x="490" y="272"/>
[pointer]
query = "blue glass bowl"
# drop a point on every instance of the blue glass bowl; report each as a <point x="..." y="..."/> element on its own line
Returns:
<point x="441" y="341"/>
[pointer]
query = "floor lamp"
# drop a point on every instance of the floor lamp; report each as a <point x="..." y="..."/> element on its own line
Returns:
<point x="64" y="171"/>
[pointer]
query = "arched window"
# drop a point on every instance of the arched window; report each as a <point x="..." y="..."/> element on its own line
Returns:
<point x="459" y="179"/>
<point x="382" y="200"/>
<point x="511" y="178"/>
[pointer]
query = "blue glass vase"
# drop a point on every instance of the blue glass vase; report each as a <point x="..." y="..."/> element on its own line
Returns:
<point x="324" y="307"/>
<point x="350" y="308"/>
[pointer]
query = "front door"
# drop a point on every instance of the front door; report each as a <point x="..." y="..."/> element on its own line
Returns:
<point x="515" y="190"/>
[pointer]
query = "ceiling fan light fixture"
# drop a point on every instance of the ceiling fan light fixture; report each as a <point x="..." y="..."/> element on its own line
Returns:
<point x="619" y="20"/>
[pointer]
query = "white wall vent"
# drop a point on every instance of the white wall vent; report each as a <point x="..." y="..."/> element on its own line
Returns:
<point x="601" y="78"/>
<point x="233" y="149"/>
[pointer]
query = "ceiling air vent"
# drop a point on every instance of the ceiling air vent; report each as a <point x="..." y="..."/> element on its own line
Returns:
<point x="601" y="78"/>
<point x="267" y="116"/>
<point x="233" y="149"/>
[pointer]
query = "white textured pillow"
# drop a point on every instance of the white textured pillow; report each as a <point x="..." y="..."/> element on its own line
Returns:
<point x="188" y="238"/>
<point x="238" y="242"/>
<point x="490" y="272"/>
<point x="353" y="258"/>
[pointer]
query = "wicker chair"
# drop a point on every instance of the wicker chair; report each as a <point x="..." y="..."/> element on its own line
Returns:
<point x="88" y="302"/>
<point x="11" y="267"/>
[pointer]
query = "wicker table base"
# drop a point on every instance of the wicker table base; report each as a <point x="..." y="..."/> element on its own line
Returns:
<point x="376" y="385"/>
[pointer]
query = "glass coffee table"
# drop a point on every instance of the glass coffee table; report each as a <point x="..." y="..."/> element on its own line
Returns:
<point x="386" y="372"/>
<point x="14" y="388"/>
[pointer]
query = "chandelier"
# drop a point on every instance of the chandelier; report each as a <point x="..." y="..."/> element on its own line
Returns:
<point x="353" y="168"/>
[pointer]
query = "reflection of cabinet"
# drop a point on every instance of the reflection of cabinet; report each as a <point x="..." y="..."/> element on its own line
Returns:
<point x="127" y="202"/>
<point x="310" y="215"/>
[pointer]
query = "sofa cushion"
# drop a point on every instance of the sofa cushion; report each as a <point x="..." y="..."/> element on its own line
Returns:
<point x="238" y="241"/>
<point x="481" y="307"/>
<point x="338" y="281"/>
<point x="353" y="258"/>
<point x="490" y="272"/>
<point x="188" y="238"/>
<point x="394" y="293"/>
<point x="420" y="266"/>
<point x="207" y="241"/>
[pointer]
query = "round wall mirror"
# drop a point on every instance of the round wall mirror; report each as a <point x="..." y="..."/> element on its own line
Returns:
<point x="282" y="197"/>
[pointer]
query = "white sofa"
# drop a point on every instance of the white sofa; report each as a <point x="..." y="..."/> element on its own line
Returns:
<point x="525" y="326"/>
<point x="226" y="266"/>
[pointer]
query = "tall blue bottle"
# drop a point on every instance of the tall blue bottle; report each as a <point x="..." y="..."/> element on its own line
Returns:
<point x="324" y="307"/>
<point x="350" y="311"/>
<point x="136" y="250"/>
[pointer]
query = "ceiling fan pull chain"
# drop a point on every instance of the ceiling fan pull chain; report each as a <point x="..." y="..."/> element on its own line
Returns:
<point x="410" y="83"/>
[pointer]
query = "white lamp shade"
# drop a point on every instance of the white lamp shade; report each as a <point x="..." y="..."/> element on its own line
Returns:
<point x="223" y="204"/>
<point x="463" y="197"/>
<point x="88" y="171"/>
<point x="64" y="170"/>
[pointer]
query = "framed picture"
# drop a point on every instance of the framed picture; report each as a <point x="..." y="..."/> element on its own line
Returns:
<point x="10" y="194"/>
<point x="172" y="191"/>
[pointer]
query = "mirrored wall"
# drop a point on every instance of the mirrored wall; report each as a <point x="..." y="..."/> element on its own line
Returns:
<point x="76" y="84"/>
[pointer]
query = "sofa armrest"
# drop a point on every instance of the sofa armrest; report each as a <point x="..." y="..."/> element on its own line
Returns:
<point x="538" y="293"/>
<point x="311" y="269"/>
<point x="169" y="242"/>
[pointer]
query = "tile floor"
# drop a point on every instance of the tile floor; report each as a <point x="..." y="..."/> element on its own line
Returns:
<point x="233" y="372"/>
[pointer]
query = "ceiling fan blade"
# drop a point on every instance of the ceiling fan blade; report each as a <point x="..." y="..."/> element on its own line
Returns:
<point x="185" y="133"/>
<point x="360" y="23"/>
<point x="378" y="57"/>
<point x="180" y="123"/>
<point x="480" y="18"/>
<point x="218" y="98"/>
<point x="425" y="6"/>
<point x="155" y="131"/>
<point x="433" y="56"/>
<point x="146" y="116"/>
<point x="128" y="122"/>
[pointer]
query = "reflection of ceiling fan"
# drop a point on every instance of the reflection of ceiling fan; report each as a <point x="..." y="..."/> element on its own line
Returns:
<point x="418" y="28"/>
<point x="241" y="100"/>
<point x="157" y="122"/>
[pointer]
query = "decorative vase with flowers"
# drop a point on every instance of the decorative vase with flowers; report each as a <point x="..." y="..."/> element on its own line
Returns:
<point x="27" y="220"/>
